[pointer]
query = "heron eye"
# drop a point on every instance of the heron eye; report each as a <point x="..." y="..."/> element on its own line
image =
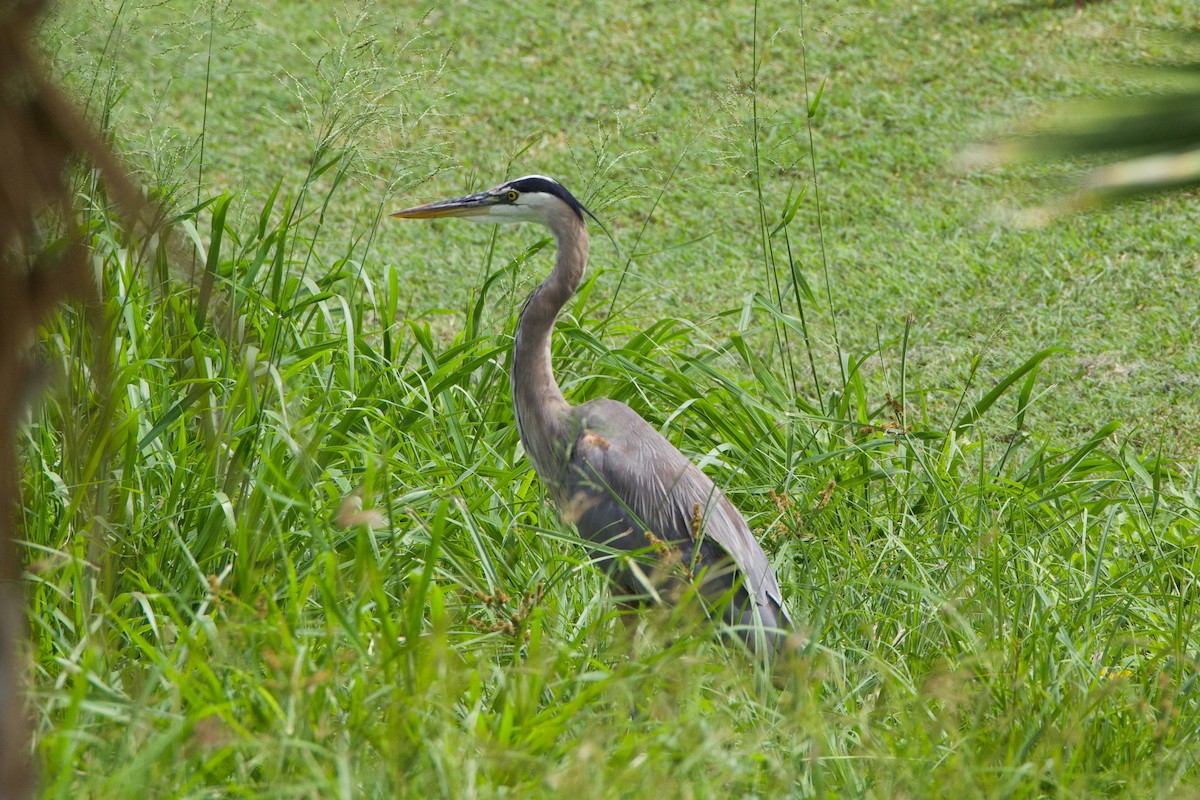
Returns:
<point x="512" y="196"/>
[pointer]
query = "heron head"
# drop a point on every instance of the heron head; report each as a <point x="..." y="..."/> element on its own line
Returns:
<point x="534" y="198"/>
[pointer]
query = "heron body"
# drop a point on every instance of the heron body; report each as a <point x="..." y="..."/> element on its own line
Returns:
<point x="609" y="472"/>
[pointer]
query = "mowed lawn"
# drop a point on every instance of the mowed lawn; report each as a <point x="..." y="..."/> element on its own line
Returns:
<point x="968" y="445"/>
<point x="648" y="113"/>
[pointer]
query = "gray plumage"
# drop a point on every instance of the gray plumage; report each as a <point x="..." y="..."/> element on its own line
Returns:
<point x="610" y="473"/>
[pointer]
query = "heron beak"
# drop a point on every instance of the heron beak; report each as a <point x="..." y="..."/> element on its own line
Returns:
<point x="473" y="205"/>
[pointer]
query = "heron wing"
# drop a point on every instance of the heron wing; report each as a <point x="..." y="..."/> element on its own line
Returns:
<point x="623" y="478"/>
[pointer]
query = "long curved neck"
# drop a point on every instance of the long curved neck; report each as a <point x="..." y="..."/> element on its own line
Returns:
<point x="540" y="407"/>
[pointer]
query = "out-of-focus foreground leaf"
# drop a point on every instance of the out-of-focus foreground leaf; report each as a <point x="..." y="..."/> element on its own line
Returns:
<point x="1148" y="142"/>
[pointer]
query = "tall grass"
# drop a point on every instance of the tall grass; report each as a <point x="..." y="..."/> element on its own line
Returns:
<point x="284" y="544"/>
<point x="215" y="612"/>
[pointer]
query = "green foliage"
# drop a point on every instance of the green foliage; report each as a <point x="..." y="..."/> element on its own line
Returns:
<point x="282" y="540"/>
<point x="214" y="610"/>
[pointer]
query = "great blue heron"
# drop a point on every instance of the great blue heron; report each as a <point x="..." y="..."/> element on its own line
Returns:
<point x="608" y="471"/>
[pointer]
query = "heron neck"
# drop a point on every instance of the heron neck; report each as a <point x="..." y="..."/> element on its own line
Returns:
<point x="541" y="410"/>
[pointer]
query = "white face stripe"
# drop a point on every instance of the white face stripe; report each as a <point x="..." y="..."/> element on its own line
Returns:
<point x="539" y="200"/>
<point x="528" y="207"/>
<point x="534" y="177"/>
